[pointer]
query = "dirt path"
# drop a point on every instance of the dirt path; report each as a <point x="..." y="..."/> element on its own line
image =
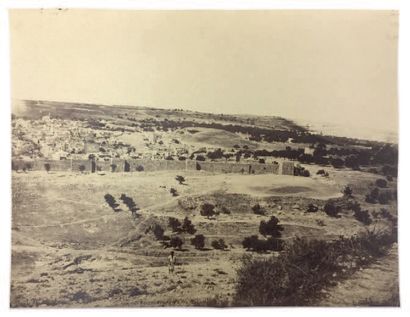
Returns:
<point x="374" y="285"/>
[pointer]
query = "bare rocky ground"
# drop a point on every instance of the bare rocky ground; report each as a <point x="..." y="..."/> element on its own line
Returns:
<point x="70" y="249"/>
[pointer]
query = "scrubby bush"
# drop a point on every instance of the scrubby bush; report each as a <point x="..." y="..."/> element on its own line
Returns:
<point x="384" y="197"/>
<point x="331" y="209"/>
<point x="363" y="216"/>
<point x="197" y="166"/>
<point x="28" y="166"/>
<point x="347" y="191"/>
<point x="208" y="210"/>
<point x="113" y="167"/>
<point x="130" y="203"/>
<point x="187" y="226"/>
<point x="219" y="244"/>
<point x="139" y="168"/>
<point x="373" y="196"/>
<point x="198" y="241"/>
<point x="382" y="183"/>
<point x="47" y="167"/>
<point x="81" y="168"/>
<point x="180" y="179"/>
<point x="176" y="242"/>
<point x="110" y="200"/>
<point x="175" y="224"/>
<point x="271" y="227"/>
<point x="312" y="208"/>
<point x="200" y="158"/>
<point x="251" y="242"/>
<point x="226" y="211"/>
<point x="173" y="192"/>
<point x="258" y="210"/>
<point x="158" y="232"/>
<point x="255" y="244"/>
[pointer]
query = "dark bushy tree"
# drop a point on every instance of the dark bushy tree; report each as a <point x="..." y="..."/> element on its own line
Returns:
<point x="382" y="183"/>
<point x="110" y="200"/>
<point x="130" y="203"/>
<point x="180" y="179"/>
<point x="47" y="167"/>
<point x="158" y="232"/>
<point x="208" y="210"/>
<point x="187" y="226"/>
<point x="331" y="209"/>
<point x="176" y="242"/>
<point x="175" y="224"/>
<point x="173" y="192"/>
<point x="198" y="241"/>
<point x="347" y="191"/>
<point x="271" y="227"/>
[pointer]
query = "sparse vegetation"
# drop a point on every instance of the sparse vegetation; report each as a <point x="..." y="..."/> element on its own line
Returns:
<point x="304" y="268"/>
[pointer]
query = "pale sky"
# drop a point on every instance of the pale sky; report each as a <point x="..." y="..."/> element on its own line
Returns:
<point x="332" y="66"/>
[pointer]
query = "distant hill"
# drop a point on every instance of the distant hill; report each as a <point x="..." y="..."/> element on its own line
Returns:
<point x="34" y="109"/>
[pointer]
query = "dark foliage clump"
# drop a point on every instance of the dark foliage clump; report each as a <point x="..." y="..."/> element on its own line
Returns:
<point x="198" y="241"/>
<point x="110" y="200"/>
<point x="219" y="244"/>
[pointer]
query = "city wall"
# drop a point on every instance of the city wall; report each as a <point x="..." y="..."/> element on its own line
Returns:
<point x="120" y="165"/>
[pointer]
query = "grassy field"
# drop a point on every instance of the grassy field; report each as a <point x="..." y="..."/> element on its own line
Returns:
<point x="69" y="248"/>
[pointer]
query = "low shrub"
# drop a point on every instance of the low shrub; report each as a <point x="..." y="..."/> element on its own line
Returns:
<point x="363" y="216"/>
<point x="331" y="209"/>
<point x="312" y="208"/>
<point x="382" y="183"/>
<point x="219" y="244"/>
<point x="258" y="210"/>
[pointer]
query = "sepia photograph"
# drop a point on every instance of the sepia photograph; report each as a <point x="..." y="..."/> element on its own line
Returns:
<point x="204" y="158"/>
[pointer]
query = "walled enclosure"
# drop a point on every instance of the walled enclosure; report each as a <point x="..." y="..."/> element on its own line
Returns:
<point x="118" y="165"/>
